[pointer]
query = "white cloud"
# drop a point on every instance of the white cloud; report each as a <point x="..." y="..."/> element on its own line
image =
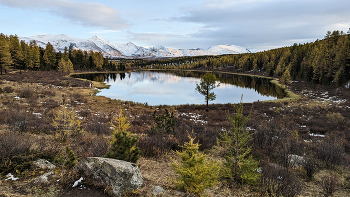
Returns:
<point x="83" y="13"/>
<point x="261" y="23"/>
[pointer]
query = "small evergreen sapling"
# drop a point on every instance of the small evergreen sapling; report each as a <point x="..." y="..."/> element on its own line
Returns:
<point x="165" y="124"/>
<point x="123" y="144"/>
<point x="196" y="172"/>
<point x="240" y="166"/>
<point x="70" y="162"/>
<point x="67" y="161"/>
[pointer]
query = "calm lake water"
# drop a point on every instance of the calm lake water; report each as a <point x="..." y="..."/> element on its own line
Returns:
<point x="178" y="87"/>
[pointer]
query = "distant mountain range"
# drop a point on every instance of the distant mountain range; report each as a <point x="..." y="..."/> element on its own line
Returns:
<point x="128" y="50"/>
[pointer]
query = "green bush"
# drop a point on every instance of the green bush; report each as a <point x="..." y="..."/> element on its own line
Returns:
<point x="165" y="124"/>
<point x="123" y="145"/>
<point x="196" y="173"/>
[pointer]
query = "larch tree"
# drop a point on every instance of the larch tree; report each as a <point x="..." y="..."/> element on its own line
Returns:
<point x="50" y="56"/>
<point x="16" y="52"/>
<point x="65" y="66"/>
<point x="5" y="55"/>
<point x="207" y="84"/>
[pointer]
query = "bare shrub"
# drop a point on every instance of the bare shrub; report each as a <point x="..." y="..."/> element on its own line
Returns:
<point x="50" y="104"/>
<point x="25" y="92"/>
<point x="85" y="113"/>
<point x="335" y="117"/>
<point x="310" y="167"/>
<point x="277" y="181"/>
<point x="8" y="89"/>
<point x="13" y="143"/>
<point x="329" y="184"/>
<point x="330" y="153"/>
<point x="90" y="146"/>
<point x="16" y="119"/>
<point x="98" y="128"/>
<point x="204" y="135"/>
<point x="156" y="145"/>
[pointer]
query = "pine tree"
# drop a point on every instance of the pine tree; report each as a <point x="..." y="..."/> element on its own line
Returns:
<point x="5" y="55"/>
<point x="49" y="57"/>
<point x="207" y="83"/>
<point x="196" y="172"/>
<point x="34" y="56"/>
<point x="16" y="52"/>
<point x="240" y="165"/>
<point x="165" y="124"/>
<point x="70" y="162"/>
<point x="123" y="144"/>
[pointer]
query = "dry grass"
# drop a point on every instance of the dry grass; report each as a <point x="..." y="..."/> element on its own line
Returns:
<point x="306" y="115"/>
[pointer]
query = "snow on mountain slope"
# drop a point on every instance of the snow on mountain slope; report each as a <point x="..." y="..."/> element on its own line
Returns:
<point x="96" y="43"/>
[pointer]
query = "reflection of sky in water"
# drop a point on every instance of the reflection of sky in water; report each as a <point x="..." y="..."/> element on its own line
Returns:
<point x="168" y="89"/>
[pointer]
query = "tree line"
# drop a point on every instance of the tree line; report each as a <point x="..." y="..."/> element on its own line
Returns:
<point x="323" y="62"/>
<point x="22" y="55"/>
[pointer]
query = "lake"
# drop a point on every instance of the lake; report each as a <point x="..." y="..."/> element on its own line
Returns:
<point x="178" y="87"/>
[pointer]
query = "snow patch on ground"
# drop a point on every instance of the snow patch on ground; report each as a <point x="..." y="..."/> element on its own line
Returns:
<point x="9" y="176"/>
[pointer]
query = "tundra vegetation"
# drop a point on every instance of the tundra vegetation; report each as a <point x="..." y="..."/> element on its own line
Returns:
<point x="313" y="131"/>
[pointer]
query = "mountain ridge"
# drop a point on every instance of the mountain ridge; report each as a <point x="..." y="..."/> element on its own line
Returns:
<point x="129" y="49"/>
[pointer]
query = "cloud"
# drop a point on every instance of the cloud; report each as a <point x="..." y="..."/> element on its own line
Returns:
<point x="265" y="23"/>
<point x="83" y="13"/>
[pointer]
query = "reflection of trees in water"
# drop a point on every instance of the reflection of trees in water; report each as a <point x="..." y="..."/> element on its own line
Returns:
<point x="122" y="76"/>
<point x="262" y="85"/>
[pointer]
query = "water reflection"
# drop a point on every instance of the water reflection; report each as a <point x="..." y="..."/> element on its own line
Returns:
<point x="178" y="87"/>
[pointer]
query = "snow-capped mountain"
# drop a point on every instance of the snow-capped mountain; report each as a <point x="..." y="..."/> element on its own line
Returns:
<point x="96" y="43"/>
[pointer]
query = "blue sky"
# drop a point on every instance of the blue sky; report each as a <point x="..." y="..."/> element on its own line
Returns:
<point x="259" y="24"/>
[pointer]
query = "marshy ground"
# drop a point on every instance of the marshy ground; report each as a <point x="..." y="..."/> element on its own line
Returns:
<point x="315" y="125"/>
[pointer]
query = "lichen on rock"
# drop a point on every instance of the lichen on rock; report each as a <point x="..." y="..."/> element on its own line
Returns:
<point x="120" y="175"/>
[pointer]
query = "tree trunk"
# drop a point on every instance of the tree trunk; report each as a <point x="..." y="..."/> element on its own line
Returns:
<point x="207" y="98"/>
<point x="236" y="158"/>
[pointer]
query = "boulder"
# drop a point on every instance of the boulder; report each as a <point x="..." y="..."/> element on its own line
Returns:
<point x="158" y="190"/>
<point x="120" y="175"/>
<point x="44" y="164"/>
<point x="43" y="179"/>
<point x="296" y="160"/>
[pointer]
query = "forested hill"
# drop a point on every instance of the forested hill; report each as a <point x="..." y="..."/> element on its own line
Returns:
<point x="30" y="56"/>
<point x="325" y="62"/>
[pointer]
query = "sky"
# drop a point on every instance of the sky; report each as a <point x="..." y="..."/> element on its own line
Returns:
<point x="179" y="24"/>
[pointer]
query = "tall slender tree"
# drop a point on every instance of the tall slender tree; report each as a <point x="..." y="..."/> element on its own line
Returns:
<point x="50" y="57"/>
<point x="16" y="52"/>
<point x="5" y="55"/>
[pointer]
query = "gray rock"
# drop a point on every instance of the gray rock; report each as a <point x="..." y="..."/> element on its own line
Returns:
<point x="157" y="190"/>
<point x="44" y="164"/>
<point x="120" y="175"/>
<point x="296" y="160"/>
<point x="43" y="179"/>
